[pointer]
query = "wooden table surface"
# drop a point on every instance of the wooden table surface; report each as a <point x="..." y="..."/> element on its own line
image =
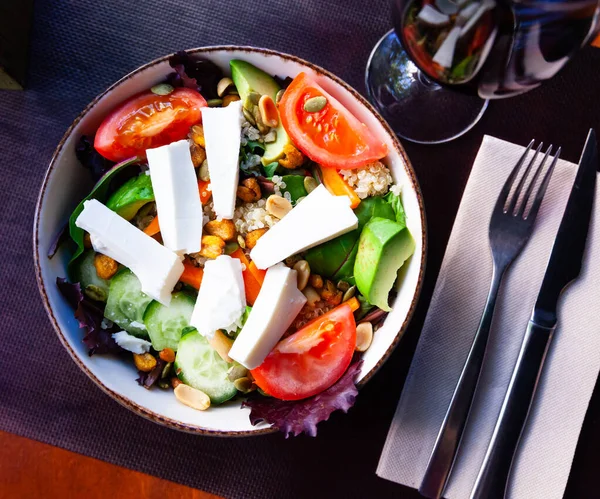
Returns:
<point x="30" y="469"/>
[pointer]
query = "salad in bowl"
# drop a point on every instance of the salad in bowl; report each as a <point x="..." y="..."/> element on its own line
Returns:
<point x="243" y="242"/>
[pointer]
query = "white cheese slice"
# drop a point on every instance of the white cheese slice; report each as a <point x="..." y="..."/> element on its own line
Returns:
<point x="277" y="305"/>
<point x="131" y="343"/>
<point x="177" y="197"/>
<point x="320" y="217"/>
<point x="221" y="299"/>
<point x="156" y="266"/>
<point x="222" y="133"/>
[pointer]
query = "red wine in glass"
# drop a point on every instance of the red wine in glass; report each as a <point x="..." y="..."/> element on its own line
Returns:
<point x="433" y="74"/>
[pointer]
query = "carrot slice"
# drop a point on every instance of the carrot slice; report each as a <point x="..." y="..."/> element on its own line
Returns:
<point x="153" y="227"/>
<point x="192" y="275"/>
<point x="205" y="192"/>
<point x="338" y="186"/>
<point x="354" y="303"/>
<point x="252" y="283"/>
<point x="258" y="274"/>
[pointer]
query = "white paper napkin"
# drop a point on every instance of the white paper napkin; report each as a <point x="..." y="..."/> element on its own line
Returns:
<point x="548" y="444"/>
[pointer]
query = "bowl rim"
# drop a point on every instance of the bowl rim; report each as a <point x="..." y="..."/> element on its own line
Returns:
<point x="207" y="50"/>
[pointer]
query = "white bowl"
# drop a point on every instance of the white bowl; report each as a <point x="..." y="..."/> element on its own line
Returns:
<point x="66" y="183"/>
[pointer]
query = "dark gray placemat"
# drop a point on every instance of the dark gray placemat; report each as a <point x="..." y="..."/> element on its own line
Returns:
<point x="79" y="48"/>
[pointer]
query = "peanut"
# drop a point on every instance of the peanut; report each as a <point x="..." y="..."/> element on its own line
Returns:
<point x="221" y="344"/>
<point x="268" y="111"/>
<point x="212" y="246"/>
<point x="316" y="281"/>
<point x="196" y="399"/>
<point x="145" y="362"/>
<point x="105" y="266"/>
<point x="278" y="206"/>
<point x="167" y="354"/>
<point x="312" y="297"/>
<point x="249" y="191"/>
<point x="225" y="229"/>
<point x="364" y="336"/>
<point x="253" y="236"/>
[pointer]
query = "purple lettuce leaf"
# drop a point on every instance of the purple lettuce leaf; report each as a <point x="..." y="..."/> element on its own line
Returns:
<point x="89" y="314"/>
<point x="92" y="159"/>
<point x="298" y="416"/>
<point x="195" y="72"/>
<point x="61" y="236"/>
<point x="148" y="379"/>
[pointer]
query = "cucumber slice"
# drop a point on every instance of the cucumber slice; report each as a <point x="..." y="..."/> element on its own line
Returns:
<point x="126" y="303"/>
<point x="165" y="324"/>
<point x="85" y="274"/>
<point x="197" y="364"/>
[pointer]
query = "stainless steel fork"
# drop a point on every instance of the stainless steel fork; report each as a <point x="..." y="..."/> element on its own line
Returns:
<point x="511" y="226"/>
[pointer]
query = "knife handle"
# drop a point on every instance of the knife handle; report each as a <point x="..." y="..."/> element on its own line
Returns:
<point x="493" y="476"/>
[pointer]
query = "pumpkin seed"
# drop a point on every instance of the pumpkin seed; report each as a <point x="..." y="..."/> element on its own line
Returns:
<point x="162" y="89"/>
<point x="279" y="95"/>
<point x="166" y="370"/>
<point x="254" y="97"/>
<point x="301" y="198"/>
<point x="95" y="292"/>
<point x="164" y="384"/>
<point x="248" y="115"/>
<point x="315" y="104"/>
<point x="343" y="286"/>
<point x="223" y="86"/>
<point x="244" y="385"/>
<point x="310" y="184"/>
<point x="349" y="294"/>
<point x="214" y="102"/>
<point x="203" y="171"/>
<point x="231" y="248"/>
<point x="237" y="371"/>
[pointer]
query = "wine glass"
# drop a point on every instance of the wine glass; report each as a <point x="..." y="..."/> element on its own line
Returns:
<point x="433" y="75"/>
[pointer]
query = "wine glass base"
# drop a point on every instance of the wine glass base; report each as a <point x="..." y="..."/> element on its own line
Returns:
<point x="418" y="109"/>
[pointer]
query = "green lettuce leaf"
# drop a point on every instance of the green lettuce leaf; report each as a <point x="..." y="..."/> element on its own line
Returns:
<point x="396" y="203"/>
<point x="99" y="192"/>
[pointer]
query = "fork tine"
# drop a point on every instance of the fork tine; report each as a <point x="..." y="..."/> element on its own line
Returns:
<point x="531" y="186"/>
<point x="503" y="196"/>
<point x="517" y="193"/>
<point x="544" y="185"/>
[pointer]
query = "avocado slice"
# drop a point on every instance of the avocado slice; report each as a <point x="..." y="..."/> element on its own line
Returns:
<point x="248" y="78"/>
<point x="335" y="258"/>
<point x="127" y="200"/>
<point x="383" y="248"/>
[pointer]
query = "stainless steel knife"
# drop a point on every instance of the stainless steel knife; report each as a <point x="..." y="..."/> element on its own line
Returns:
<point x="563" y="267"/>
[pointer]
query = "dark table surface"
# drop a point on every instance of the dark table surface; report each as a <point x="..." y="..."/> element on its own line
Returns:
<point x="80" y="47"/>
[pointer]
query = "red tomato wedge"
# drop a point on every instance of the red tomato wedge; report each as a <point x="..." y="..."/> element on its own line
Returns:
<point x="332" y="137"/>
<point x="148" y="120"/>
<point x="310" y="360"/>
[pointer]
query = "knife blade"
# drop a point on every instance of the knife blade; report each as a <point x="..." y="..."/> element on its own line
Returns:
<point x="564" y="266"/>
